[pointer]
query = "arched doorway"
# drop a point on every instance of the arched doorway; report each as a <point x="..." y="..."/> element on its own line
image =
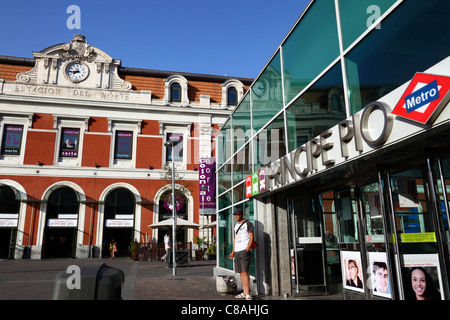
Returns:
<point x="165" y="212"/>
<point x="9" y="214"/>
<point x="119" y="217"/>
<point x="61" y="224"/>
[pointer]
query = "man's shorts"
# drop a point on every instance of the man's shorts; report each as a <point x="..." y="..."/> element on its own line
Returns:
<point x="241" y="261"/>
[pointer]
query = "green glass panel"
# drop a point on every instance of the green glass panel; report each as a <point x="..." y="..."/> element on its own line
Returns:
<point x="222" y="141"/>
<point x="319" y="108"/>
<point x="270" y="143"/>
<point x="224" y="177"/>
<point x="224" y="200"/>
<point x="310" y="48"/>
<point x="239" y="193"/>
<point x="267" y="94"/>
<point x="356" y="16"/>
<point x="241" y="123"/>
<point x="408" y="41"/>
<point x="242" y="164"/>
<point x="224" y="239"/>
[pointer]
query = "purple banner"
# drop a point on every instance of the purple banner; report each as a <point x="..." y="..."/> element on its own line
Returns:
<point x="207" y="186"/>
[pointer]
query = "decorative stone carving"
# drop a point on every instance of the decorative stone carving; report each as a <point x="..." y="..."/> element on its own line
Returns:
<point x="78" y="50"/>
<point x="52" y="67"/>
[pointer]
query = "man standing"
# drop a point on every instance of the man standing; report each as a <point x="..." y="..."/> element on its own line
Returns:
<point x="167" y="246"/>
<point x="243" y="240"/>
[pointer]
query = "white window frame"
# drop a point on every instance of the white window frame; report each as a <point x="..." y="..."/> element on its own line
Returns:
<point x="115" y="125"/>
<point x="239" y="88"/>
<point x="183" y="82"/>
<point x="62" y="122"/>
<point x="180" y="128"/>
<point x="21" y="119"/>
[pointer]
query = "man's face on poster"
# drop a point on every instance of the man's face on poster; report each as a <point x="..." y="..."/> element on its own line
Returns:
<point x="381" y="280"/>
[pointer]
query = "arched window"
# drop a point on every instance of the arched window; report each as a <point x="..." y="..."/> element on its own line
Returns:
<point x="9" y="203"/>
<point x="62" y="201"/>
<point x="119" y="201"/>
<point x="175" y="92"/>
<point x="165" y="212"/>
<point x="232" y="96"/>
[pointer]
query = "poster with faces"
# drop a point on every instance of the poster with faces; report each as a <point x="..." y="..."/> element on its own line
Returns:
<point x="422" y="277"/>
<point x="379" y="274"/>
<point x="352" y="277"/>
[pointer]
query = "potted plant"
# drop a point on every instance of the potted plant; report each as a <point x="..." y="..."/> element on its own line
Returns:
<point x="199" y="252"/>
<point x="211" y="252"/>
<point x="133" y="248"/>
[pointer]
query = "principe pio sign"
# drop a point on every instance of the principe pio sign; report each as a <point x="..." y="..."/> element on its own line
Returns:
<point x="369" y="130"/>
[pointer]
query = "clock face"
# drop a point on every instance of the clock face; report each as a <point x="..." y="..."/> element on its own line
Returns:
<point x="76" y="71"/>
<point x="259" y="88"/>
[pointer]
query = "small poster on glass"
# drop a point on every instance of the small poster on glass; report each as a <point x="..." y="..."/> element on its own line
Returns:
<point x="352" y="271"/>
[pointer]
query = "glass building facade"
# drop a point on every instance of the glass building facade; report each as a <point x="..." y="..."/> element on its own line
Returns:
<point x="339" y="57"/>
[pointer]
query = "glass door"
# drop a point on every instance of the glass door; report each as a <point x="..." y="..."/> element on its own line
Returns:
<point x="379" y="269"/>
<point x="306" y="249"/>
<point x="331" y="236"/>
<point x="415" y="236"/>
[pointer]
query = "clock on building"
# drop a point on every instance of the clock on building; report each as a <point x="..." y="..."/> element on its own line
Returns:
<point x="259" y="88"/>
<point x="77" y="71"/>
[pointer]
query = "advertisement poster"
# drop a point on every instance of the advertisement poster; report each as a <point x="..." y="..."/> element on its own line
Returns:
<point x="177" y="151"/>
<point x="12" y="139"/>
<point x="124" y="141"/>
<point x="352" y="271"/>
<point x="380" y="276"/>
<point x="69" y="141"/>
<point x="422" y="277"/>
<point x="207" y="186"/>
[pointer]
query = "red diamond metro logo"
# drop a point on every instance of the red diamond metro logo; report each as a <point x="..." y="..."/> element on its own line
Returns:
<point x="424" y="98"/>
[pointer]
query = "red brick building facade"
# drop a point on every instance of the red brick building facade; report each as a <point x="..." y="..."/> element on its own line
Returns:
<point x="82" y="156"/>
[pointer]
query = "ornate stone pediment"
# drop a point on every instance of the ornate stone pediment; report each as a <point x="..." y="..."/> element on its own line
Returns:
<point x="78" y="50"/>
<point x="75" y="64"/>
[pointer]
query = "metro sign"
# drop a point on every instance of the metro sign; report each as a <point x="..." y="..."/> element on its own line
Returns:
<point x="424" y="98"/>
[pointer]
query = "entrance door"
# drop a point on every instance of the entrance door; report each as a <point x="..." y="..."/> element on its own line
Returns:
<point x="121" y="236"/>
<point x="9" y="213"/>
<point x="306" y="249"/>
<point x="58" y="242"/>
<point x="331" y="238"/>
<point x="119" y="221"/>
<point x="416" y="229"/>
<point x="61" y="224"/>
<point x="7" y="243"/>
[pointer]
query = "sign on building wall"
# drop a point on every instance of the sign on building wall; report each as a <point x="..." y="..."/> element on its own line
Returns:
<point x="207" y="185"/>
<point x="69" y="142"/>
<point x="424" y="98"/>
<point x="422" y="101"/>
<point x="255" y="183"/>
<point x="124" y="143"/>
<point x="12" y="139"/>
<point x="9" y="220"/>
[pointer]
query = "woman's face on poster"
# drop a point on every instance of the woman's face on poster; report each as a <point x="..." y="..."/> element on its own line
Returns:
<point x="419" y="284"/>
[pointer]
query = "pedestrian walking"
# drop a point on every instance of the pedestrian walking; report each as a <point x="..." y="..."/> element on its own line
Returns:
<point x="112" y="248"/>
<point x="167" y="246"/>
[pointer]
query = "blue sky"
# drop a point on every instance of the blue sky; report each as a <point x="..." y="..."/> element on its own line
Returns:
<point x="232" y="37"/>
